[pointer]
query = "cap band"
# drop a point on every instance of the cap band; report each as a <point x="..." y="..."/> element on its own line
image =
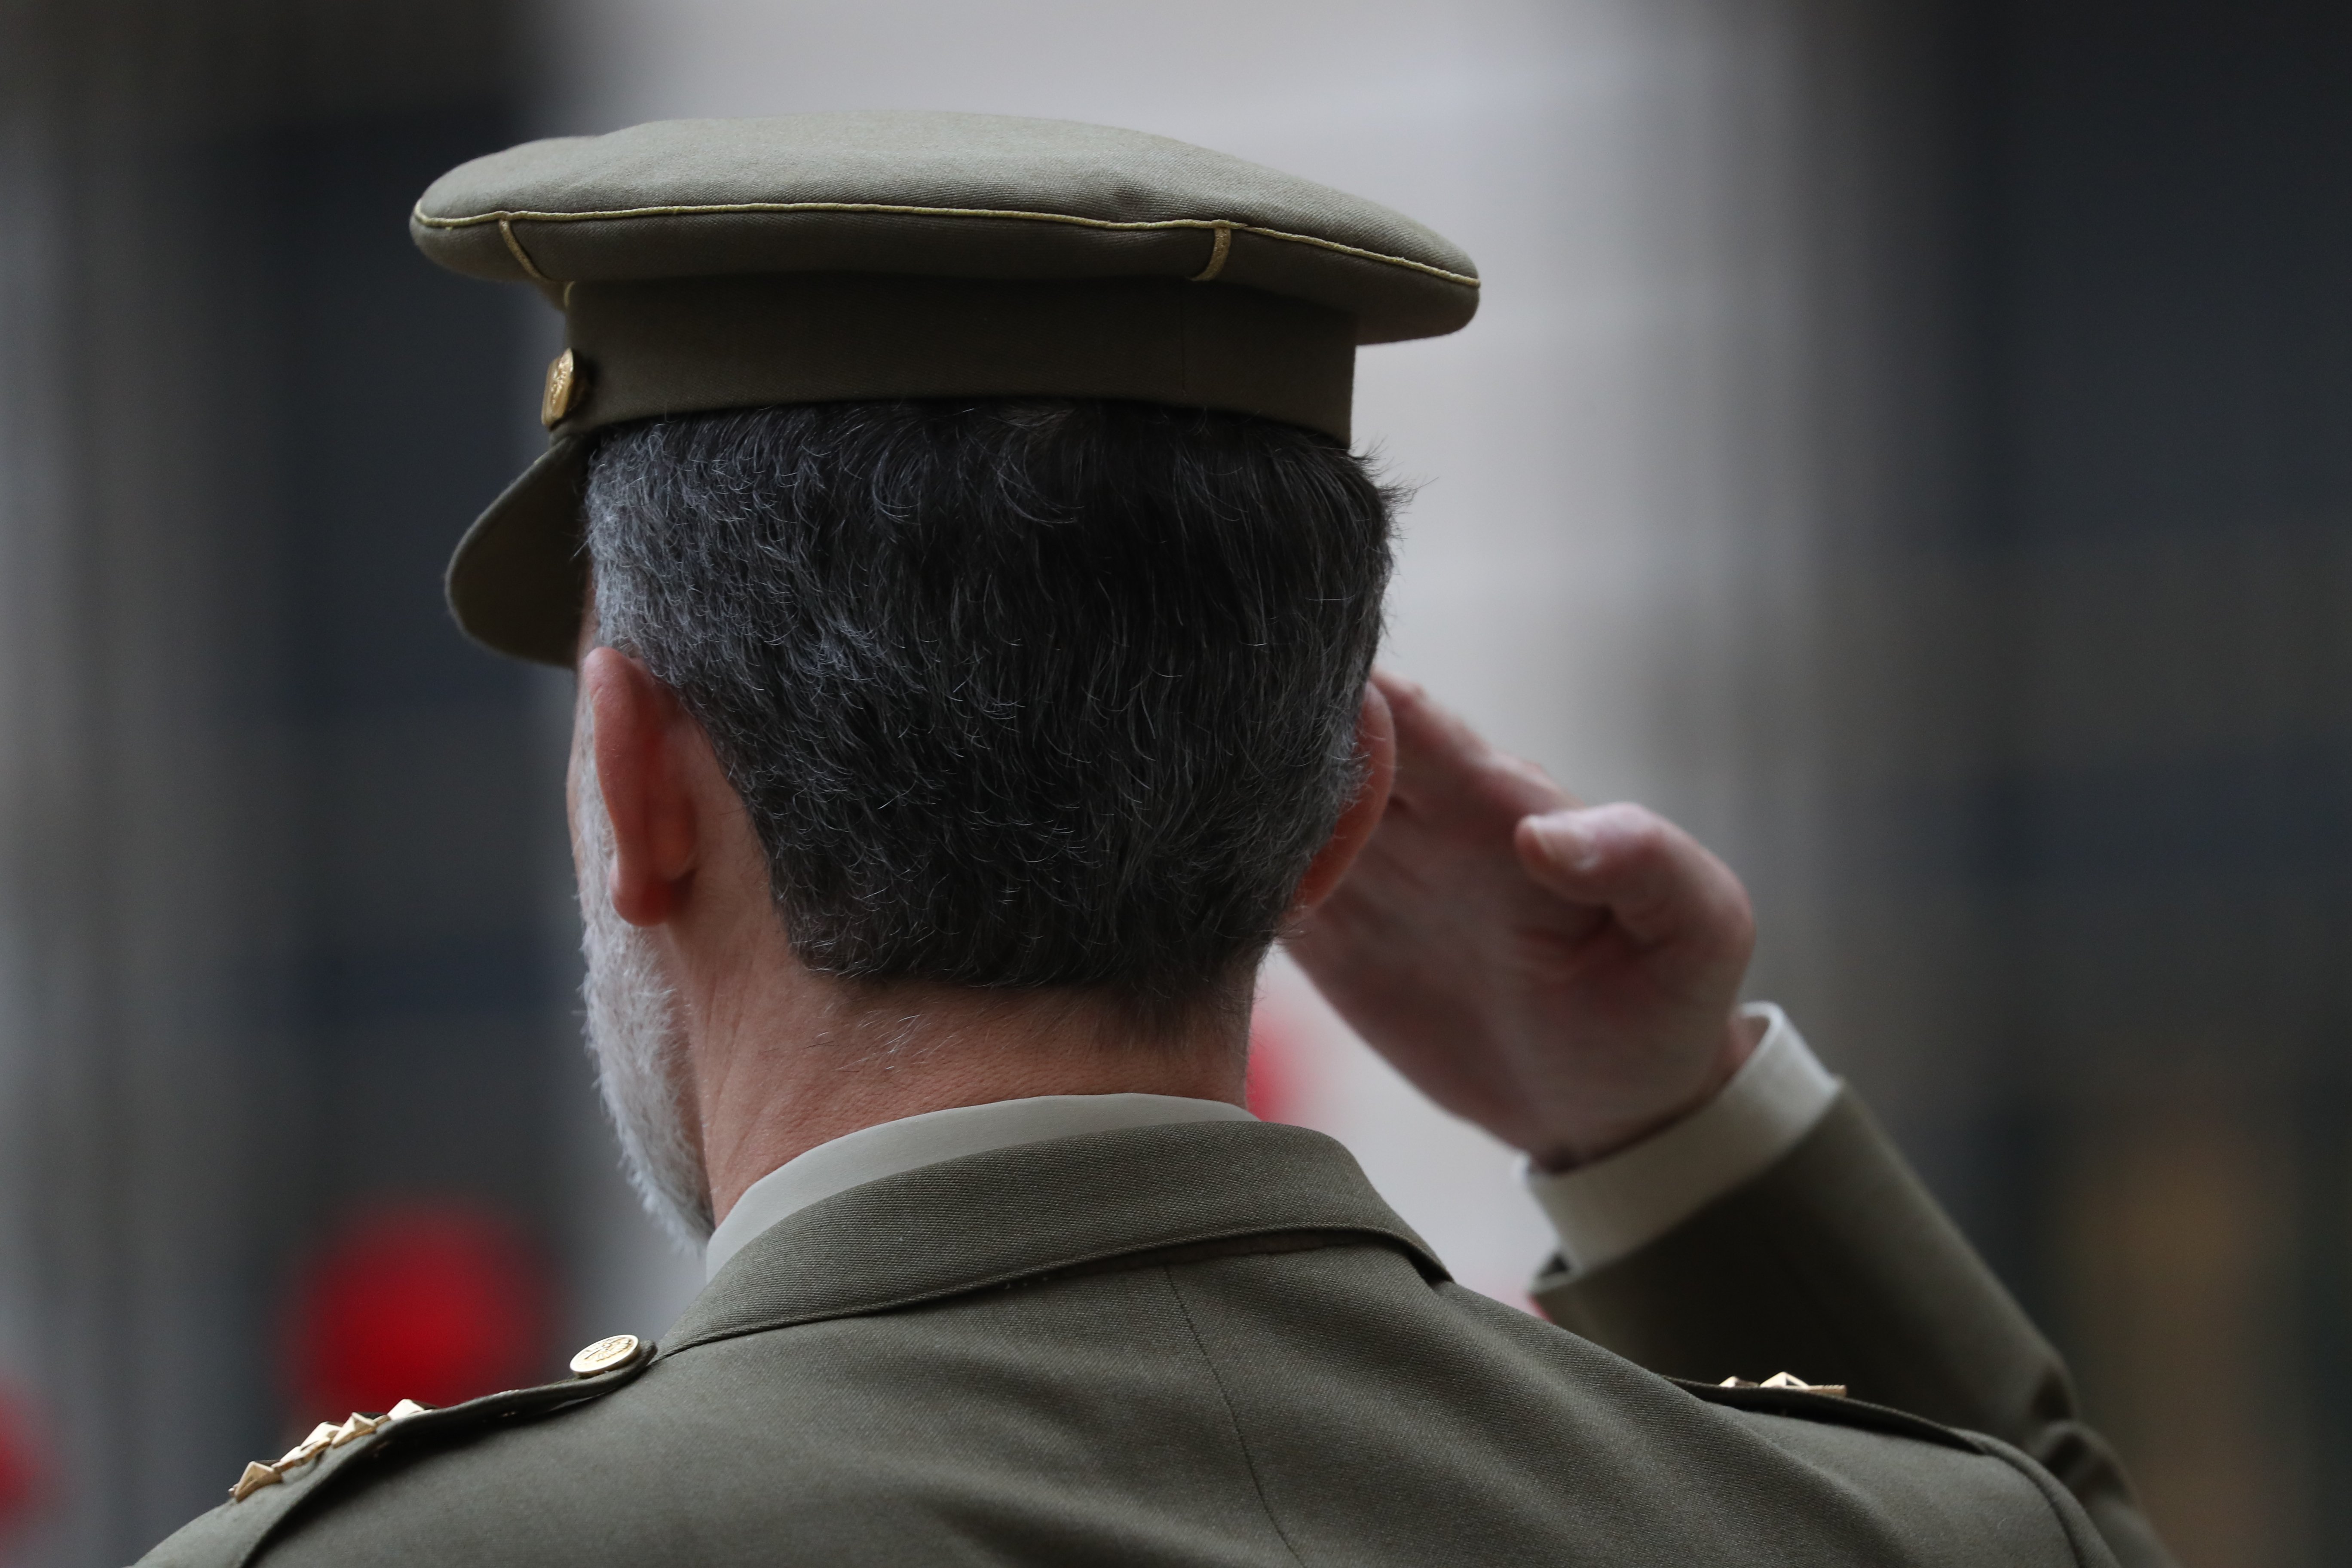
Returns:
<point x="696" y="345"/>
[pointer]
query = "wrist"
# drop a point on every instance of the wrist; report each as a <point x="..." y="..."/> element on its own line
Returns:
<point x="1743" y="1030"/>
<point x="1611" y="1208"/>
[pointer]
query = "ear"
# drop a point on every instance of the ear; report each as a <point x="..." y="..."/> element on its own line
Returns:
<point x="1376" y="743"/>
<point x="640" y="730"/>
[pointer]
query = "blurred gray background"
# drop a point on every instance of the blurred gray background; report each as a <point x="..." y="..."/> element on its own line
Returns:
<point x="1905" y="441"/>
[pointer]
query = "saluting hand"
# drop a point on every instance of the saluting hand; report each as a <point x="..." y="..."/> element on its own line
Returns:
<point x="1564" y="976"/>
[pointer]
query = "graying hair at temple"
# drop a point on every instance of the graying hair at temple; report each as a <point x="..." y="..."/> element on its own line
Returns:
<point x="1018" y="693"/>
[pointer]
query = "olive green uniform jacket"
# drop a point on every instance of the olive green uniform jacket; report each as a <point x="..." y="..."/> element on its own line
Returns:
<point x="1213" y="1344"/>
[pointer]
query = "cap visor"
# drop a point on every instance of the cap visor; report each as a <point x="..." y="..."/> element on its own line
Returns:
<point x="519" y="577"/>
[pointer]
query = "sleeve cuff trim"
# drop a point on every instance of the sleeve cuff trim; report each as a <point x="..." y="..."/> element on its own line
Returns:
<point x="1616" y="1206"/>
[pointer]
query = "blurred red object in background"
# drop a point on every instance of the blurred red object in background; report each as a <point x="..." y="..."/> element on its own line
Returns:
<point x="1273" y="1085"/>
<point x="438" y="1303"/>
<point x="24" y="1474"/>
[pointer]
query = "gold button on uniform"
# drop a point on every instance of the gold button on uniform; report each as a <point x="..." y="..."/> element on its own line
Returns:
<point x="617" y="1350"/>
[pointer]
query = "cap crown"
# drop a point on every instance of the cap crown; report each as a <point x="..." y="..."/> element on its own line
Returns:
<point x="936" y="195"/>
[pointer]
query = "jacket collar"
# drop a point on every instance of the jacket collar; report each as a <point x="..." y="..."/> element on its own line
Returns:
<point x="911" y="1141"/>
<point x="1038" y="1208"/>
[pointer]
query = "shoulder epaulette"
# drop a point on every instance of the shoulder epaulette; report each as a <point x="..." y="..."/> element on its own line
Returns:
<point x="1784" y="1395"/>
<point x="266" y="1496"/>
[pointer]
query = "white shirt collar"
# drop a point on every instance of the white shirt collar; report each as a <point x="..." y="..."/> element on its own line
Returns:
<point x="871" y="1154"/>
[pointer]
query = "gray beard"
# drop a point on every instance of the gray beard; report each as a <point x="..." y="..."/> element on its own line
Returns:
<point x="634" y="1032"/>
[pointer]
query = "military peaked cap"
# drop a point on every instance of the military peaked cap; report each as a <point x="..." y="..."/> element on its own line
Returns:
<point x="712" y="264"/>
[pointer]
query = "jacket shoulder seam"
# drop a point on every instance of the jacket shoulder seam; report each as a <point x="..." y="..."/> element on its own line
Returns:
<point x="1232" y="1416"/>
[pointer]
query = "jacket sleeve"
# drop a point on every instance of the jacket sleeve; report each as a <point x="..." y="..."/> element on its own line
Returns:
<point x="1836" y="1267"/>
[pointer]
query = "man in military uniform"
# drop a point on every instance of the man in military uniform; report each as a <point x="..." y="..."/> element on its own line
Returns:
<point x="973" y="598"/>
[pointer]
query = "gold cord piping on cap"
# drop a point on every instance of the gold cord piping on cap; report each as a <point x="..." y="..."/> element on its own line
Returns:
<point x="506" y="233"/>
<point x="505" y="217"/>
<point x="1217" y="254"/>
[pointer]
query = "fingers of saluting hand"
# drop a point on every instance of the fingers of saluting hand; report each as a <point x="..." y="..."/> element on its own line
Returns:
<point x="1445" y="766"/>
<point x="1659" y="883"/>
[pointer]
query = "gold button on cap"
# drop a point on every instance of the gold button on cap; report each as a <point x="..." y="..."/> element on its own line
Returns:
<point x="615" y="1350"/>
<point x="566" y="390"/>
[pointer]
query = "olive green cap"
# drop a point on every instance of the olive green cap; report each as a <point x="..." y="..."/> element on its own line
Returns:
<point x="712" y="264"/>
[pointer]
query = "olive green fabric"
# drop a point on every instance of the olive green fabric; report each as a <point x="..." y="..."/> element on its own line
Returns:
<point x="1836" y="1265"/>
<point x="520" y="576"/>
<point x="680" y="344"/>
<point x="934" y="195"/>
<point x="711" y="264"/>
<point x="234" y="1532"/>
<point x="519" y="583"/>
<point x="1200" y="1345"/>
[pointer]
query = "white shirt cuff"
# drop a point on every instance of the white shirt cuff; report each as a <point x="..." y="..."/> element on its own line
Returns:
<point x="1616" y="1206"/>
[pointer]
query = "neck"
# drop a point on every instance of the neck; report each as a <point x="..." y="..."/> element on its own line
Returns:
<point x="782" y="1060"/>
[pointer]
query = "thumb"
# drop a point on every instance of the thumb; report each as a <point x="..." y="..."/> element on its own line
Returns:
<point x="1656" y="881"/>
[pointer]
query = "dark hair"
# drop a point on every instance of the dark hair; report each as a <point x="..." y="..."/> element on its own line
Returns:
<point x="1019" y="693"/>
